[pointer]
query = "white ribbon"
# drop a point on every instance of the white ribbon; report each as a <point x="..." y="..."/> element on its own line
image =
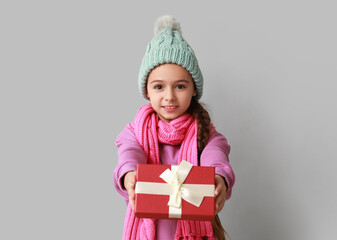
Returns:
<point x="192" y="193"/>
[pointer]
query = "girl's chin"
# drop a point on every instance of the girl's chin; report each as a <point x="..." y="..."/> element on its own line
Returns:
<point x="168" y="117"/>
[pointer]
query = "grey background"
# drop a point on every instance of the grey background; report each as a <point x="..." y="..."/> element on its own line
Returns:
<point x="68" y="87"/>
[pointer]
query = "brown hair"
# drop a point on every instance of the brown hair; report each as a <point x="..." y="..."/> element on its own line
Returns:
<point x="204" y="128"/>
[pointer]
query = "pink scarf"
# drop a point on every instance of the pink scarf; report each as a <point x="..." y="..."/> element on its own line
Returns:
<point x="149" y="132"/>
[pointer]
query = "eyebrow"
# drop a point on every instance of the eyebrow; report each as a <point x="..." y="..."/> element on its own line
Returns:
<point x="178" y="81"/>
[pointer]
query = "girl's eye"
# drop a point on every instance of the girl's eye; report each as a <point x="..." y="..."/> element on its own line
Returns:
<point x="158" y="87"/>
<point x="180" y="86"/>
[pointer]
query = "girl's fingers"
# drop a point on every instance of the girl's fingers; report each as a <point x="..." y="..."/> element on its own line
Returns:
<point x="130" y="183"/>
<point x="219" y="184"/>
<point x="130" y="180"/>
<point x="220" y="202"/>
<point x="131" y="192"/>
<point x="132" y="199"/>
<point x="220" y="193"/>
<point x="218" y="190"/>
<point x="219" y="207"/>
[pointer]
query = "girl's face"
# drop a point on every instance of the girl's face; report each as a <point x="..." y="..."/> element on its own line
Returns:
<point x="170" y="88"/>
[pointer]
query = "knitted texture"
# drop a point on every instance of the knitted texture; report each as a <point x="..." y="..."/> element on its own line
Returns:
<point x="168" y="46"/>
<point x="149" y="132"/>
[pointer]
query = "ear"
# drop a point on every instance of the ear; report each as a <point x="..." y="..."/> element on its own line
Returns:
<point x="194" y="93"/>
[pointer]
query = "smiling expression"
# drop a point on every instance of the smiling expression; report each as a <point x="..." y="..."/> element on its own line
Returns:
<point x="170" y="88"/>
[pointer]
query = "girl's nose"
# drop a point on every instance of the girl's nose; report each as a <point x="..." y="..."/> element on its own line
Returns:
<point x="169" y="96"/>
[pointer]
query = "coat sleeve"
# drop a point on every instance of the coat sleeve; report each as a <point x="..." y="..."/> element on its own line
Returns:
<point x="130" y="153"/>
<point x="215" y="154"/>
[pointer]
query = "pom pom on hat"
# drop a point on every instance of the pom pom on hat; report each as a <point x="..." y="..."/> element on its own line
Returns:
<point x="166" y="22"/>
<point x="168" y="46"/>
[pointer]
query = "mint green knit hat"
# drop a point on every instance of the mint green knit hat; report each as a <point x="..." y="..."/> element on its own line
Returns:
<point x="168" y="46"/>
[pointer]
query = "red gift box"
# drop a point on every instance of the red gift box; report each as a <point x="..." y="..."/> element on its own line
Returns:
<point x="154" y="193"/>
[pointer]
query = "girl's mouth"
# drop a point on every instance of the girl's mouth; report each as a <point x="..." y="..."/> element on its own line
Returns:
<point x="170" y="107"/>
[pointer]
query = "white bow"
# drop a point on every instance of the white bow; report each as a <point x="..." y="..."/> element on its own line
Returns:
<point x="175" y="179"/>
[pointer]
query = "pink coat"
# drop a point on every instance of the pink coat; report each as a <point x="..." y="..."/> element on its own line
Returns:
<point x="130" y="154"/>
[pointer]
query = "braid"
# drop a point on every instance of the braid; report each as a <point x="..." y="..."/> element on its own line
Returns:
<point x="203" y="121"/>
<point x="204" y="129"/>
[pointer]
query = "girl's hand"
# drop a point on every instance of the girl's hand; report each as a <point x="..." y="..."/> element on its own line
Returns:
<point x="130" y="183"/>
<point x="220" y="193"/>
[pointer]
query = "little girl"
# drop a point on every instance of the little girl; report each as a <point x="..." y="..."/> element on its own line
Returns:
<point x="171" y="80"/>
